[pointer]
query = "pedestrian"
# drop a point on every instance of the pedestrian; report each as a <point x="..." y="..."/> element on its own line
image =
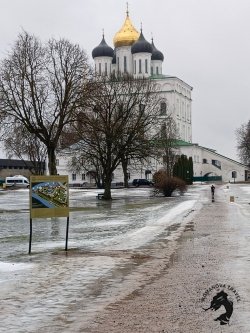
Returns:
<point x="212" y="192"/>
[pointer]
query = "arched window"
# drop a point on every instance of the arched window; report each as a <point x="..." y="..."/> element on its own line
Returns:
<point x="163" y="130"/>
<point x="125" y="64"/>
<point x="163" y="108"/>
<point x="146" y="65"/>
<point x="139" y="65"/>
<point x="178" y="107"/>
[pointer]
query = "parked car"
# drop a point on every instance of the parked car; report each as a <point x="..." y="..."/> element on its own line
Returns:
<point x="139" y="182"/>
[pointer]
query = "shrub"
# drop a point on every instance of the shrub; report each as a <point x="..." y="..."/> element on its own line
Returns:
<point x="167" y="185"/>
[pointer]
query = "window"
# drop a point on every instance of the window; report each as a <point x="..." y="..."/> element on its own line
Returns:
<point x="163" y="130"/>
<point x="100" y="68"/>
<point x="139" y="65"/>
<point x="134" y="66"/>
<point x="146" y="65"/>
<point x="178" y="107"/>
<point x="183" y="132"/>
<point x="216" y="163"/>
<point x="142" y="108"/>
<point x="83" y="176"/>
<point x="163" y="108"/>
<point x="157" y="70"/>
<point x="188" y="113"/>
<point x="234" y="174"/>
<point x="118" y="64"/>
<point x="73" y="176"/>
<point x="204" y="161"/>
<point x="125" y="64"/>
<point x="106" y="68"/>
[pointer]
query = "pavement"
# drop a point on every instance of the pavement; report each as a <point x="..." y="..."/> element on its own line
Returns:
<point x="211" y="259"/>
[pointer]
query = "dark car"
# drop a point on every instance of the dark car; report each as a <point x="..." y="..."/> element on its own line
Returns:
<point x="139" y="182"/>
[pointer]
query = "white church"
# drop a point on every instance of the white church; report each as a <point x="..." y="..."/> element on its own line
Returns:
<point x="133" y="54"/>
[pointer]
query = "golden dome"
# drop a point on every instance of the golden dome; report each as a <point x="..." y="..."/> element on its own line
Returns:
<point x="127" y="35"/>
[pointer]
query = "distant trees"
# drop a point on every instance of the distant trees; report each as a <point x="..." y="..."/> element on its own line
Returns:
<point x="19" y="142"/>
<point x="183" y="169"/>
<point x="42" y="88"/>
<point x="243" y="143"/>
<point x="182" y="175"/>
<point x="118" y="126"/>
<point x="166" y="184"/>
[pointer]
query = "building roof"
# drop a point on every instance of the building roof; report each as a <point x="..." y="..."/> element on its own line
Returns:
<point x="14" y="163"/>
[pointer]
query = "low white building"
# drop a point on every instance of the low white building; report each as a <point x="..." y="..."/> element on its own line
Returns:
<point x="209" y="165"/>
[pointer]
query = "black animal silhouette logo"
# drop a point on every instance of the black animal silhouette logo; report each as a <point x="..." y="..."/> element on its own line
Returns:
<point x="220" y="299"/>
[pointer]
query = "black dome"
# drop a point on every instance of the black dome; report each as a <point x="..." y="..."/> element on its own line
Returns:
<point x="141" y="45"/>
<point x="156" y="54"/>
<point x="103" y="50"/>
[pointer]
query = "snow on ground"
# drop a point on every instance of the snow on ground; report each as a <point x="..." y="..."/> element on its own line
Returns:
<point x="103" y="237"/>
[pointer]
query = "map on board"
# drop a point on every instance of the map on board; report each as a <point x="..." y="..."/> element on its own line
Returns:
<point x="49" y="196"/>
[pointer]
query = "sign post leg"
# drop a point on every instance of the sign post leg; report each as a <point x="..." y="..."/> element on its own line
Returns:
<point x="30" y="236"/>
<point x="67" y="233"/>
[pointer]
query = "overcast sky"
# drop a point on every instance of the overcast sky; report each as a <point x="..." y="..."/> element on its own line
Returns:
<point x="205" y="43"/>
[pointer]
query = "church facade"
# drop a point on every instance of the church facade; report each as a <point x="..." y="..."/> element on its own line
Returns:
<point x="134" y="55"/>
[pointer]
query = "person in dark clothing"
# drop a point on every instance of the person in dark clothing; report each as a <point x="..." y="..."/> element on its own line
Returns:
<point x="212" y="192"/>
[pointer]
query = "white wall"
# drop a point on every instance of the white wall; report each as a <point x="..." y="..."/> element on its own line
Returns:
<point x="200" y="154"/>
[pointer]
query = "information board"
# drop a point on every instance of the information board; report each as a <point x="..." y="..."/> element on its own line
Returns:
<point x="49" y="196"/>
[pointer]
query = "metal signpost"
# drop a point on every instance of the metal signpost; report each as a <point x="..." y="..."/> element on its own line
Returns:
<point x="49" y="197"/>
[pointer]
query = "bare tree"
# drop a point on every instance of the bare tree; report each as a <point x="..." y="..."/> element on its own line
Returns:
<point x="86" y="162"/>
<point x="243" y="143"/>
<point x="166" y="144"/>
<point x="42" y="87"/>
<point x="24" y="145"/>
<point x="119" y="123"/>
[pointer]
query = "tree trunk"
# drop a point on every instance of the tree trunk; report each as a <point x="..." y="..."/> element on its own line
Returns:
<point x="52" y="161"/>
<point x="107" y="189"/>
<point x="125" y="172"/>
